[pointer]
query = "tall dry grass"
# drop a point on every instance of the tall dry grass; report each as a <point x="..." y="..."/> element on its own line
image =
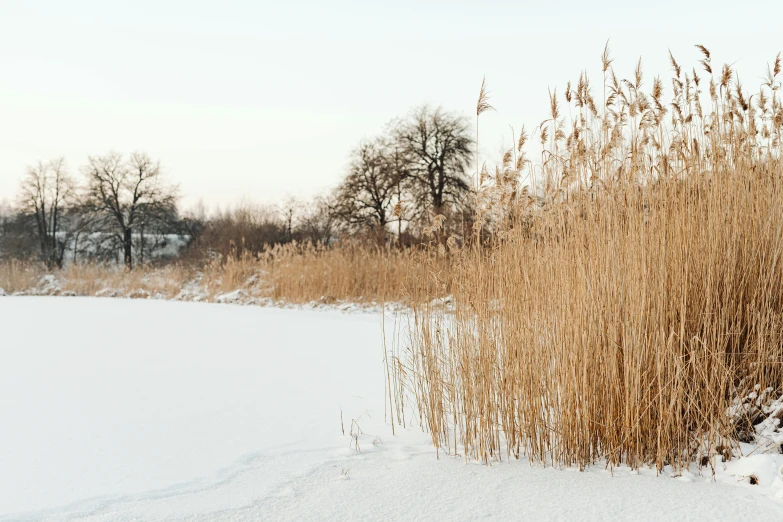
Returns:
<point x="293" y="274"/>
<point x="16" y="276"/>
<point x="628" y="297"/>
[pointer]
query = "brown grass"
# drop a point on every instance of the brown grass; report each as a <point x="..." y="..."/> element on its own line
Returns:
<point x="294" y="274"/>
<point x="628" y="298"/>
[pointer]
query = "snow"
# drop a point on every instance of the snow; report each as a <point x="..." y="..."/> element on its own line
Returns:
<point x="120" y="409"/>
<point x="255" y="291"/>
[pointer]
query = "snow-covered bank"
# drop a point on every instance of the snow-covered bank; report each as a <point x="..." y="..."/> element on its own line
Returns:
<point x="253" y="292"/>
<point x="117" y="409"/>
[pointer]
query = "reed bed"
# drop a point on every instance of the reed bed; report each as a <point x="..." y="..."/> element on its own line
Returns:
<point x="628" y="295"/>
<point x="290" y="274"/>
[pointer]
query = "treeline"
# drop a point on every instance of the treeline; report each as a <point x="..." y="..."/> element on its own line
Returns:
<point x="121" y="208"/>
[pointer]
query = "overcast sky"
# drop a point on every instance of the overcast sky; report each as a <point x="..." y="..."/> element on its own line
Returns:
<point x="260" y="100"/>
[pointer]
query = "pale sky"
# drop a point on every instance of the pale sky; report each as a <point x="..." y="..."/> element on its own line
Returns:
<point x="261" y="100"/>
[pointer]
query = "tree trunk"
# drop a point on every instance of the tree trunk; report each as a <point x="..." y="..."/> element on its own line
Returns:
<point x="128" y="248"/>
<point x="141" y="246"/>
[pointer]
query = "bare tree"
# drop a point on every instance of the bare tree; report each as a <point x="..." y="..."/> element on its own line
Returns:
<point x="16" y="242"/>
<point x="46" y="193"/>
<point x="128" y="195"/>
<point x="367" y="194"/>
<point x="80" y="222"/>
<point x="318" y="221"/>
<point x="290" y="210"/>
<point x="399" y="164"/>
<point x="439" y="147"/>
<point x="235" y="232"/>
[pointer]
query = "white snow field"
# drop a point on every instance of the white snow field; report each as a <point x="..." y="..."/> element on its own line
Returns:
<point x="150" y="410"/>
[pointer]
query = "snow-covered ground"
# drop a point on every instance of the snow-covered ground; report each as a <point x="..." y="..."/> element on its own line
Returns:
<point x="115" y="409"/>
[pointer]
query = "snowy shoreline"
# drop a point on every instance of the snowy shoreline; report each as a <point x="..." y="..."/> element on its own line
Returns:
<point x="216" y="412"/>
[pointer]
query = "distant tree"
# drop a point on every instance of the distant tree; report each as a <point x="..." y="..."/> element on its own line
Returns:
<point x="128" y="195"/>
<point x="245" y="229"/>
<point x="290" y="210"/>
<point x="408" y="201"/>
<point x="16" y="241"/>
<point x="318" y="221"/>
<point x="47" y="192"/>
<point x="80" y="222"/>
<point x="6" y="217"/>
<point x="193" y="224"/>
<point x="367" y="195"/>
<point x="438" y="147"/>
